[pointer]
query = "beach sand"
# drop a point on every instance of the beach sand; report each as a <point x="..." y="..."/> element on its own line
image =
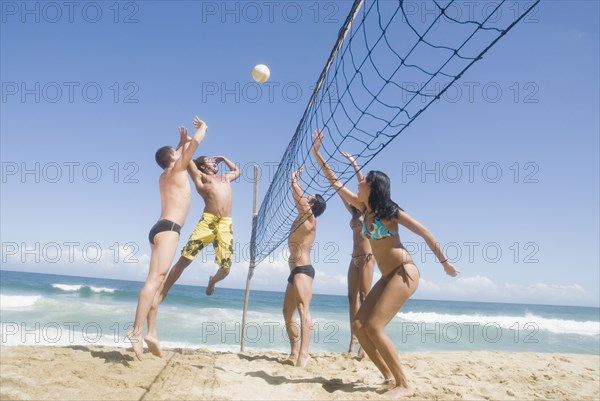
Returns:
<point x="101" y="373"/>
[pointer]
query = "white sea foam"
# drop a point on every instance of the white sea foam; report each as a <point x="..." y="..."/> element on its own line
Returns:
<point x="18" y="301"/>
<point x="67" y="287"/>
<point x="79" y="287"/>
<point x="531" y="321"/>
<point x="103" y="289"/>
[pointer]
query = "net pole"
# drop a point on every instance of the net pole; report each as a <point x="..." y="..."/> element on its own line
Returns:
<point x="252" y="256"/>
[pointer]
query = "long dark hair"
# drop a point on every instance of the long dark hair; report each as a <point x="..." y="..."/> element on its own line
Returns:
<point x="380" y="201"/>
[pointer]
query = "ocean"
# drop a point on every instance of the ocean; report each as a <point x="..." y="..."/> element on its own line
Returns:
<point x="44" y="309"/>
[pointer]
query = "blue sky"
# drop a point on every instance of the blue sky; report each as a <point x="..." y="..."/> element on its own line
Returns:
<point x="86" y="104"/>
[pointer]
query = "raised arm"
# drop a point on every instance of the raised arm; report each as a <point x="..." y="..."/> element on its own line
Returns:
<point x="184" y="138"/>
<point x="188" y="150"/>
<point x="354" y="164"/>
<point x="348" y="196"/>
<point x="301" y="203"/>
<point x="234" y="172"/>
<point x="417" y="228"/>
<point x="196" y="174"/>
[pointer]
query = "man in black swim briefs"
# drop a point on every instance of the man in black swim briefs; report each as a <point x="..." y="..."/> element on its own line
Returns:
<point x="175" y="195"/>
<point x="163" y="225"/>
<point x="298" y="292"/>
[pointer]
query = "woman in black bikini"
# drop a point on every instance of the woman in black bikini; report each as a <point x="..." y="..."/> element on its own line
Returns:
<point x="360" y="271"/>
<point x="400" y="276"/>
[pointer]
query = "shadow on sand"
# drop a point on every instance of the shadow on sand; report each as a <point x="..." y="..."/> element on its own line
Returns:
<point x="328" y="385"/>
<point x="108" y="356"/>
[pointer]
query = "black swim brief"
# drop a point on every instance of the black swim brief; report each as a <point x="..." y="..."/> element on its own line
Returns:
<point x="306" y="269"/>
<point x="163" y="225"/>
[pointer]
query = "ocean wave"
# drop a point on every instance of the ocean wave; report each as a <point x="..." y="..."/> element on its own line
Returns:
<point x="529" y="322"/>
<point x="83" y="288"/>
<point x="18" y="301"/>
<point x="103" y="289"/>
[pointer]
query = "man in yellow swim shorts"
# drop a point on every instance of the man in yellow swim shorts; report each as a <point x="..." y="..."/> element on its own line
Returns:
<point x="213" y="228"/>
<point x="215" y="225"/>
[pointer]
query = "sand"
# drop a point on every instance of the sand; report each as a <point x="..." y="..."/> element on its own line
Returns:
<point x="101" y="373"/>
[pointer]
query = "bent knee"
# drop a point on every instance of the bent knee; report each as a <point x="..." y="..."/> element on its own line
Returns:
<point x="155" y="281"/>
<point x="372" y="329"/>
<point x="357" y="326"/>
<point x="302" y="308"/>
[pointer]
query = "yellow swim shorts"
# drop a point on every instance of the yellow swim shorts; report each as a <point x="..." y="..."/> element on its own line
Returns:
<point x="214" y="230"/>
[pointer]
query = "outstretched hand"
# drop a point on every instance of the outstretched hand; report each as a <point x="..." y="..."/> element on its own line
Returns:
<point x="219" y="159"/>
<point x="183" y="135"/>
<point x="317" y="141"/>
<point x="349" y="157"/>
<point x="297" y="173"/>
<point x="198" y="123"/>
<point x="450" y="269"/>
<point x="354" y="165"/>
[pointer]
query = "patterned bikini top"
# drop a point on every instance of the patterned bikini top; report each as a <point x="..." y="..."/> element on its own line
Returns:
<point x="378" y="231"/>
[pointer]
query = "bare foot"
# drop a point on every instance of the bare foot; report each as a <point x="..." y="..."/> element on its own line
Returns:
<point x="295" y="351"/>
<point x="136" y="345"/>
<point x="387" y="385"/>
<point x="291" y="359"/>
<point x="400" y="392"/>
<point x="153" y="345"/>
<point x="211" y="286"/>
<point x="303" y="361"/>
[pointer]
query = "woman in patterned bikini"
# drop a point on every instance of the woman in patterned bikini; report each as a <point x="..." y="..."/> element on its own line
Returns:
<point x="400" y="276"/>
